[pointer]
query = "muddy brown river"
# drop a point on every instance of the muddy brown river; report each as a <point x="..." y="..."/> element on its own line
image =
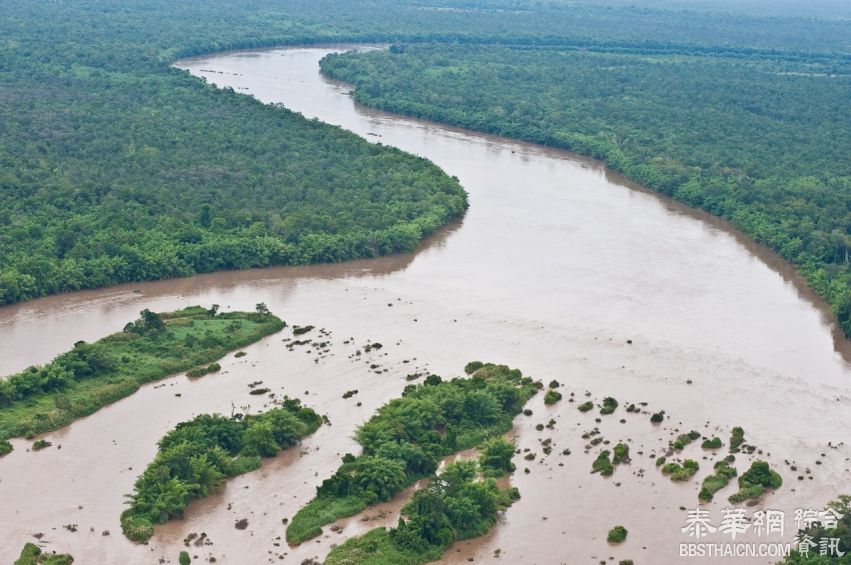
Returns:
<point x="556" y="266"/>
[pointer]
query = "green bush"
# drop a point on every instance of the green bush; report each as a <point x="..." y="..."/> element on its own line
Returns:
<point x="754" y="482"/>
<point x="609" y="405"/>
<point x="5" y="447"/>
<point x="551" y="397"/>
<point x="495" y="458"/>
<point x="617" y="535"/>
<point x="714" y="443"/>
<point x="737" y="438"/>
<point x="585" y="406"/>
<point x="32" y="555"/>
<point x="603" y="464"/>
<point x="184" y="558"/>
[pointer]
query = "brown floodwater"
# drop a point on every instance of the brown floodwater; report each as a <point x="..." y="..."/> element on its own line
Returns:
<point x="556" y="265"/>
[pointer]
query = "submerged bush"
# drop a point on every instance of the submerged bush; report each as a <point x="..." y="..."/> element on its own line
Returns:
<point x="602" y="464"/>
<point x="609" y="405"/>
<point x="754" y="482"/>
<point x="32" y="555"/>
<point x="737" y="438"/>
<point x="552" y="397"/>
<point x="617" y="534"/>
<point x="714" y="443"/>
<point x="5" y="448"/>
<point x="713" y="483"/>
<point x="585" y="406"/>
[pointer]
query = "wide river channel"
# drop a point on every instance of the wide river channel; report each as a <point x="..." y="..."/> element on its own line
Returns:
<point x="559" y="268"/>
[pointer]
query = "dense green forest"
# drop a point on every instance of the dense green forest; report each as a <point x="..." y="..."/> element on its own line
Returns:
<point x="406" y="439"/>
<point x="197" y="456"/>
<point x="116" y="167"/>
<point x="762" y="141"/>
<point x="456" y="505"/>
<point x="91" y="375"/>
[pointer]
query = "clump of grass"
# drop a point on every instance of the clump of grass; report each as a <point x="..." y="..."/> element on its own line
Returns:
<point x="617" y="534"/>
<point x="585" y="406"/>
<point x="301" y="330"/>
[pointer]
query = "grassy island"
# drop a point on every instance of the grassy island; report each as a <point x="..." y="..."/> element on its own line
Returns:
<point x="92" y="375"/>
<point x="197" y="456"/>
<point x="33" y="555"/>
<point x="408" y="436"/>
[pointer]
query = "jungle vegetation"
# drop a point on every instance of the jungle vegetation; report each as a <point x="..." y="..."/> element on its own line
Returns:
<point x="406" y="439"/>
<point x="818" y="531"/>
<point x="197" y="456"/>
<point x="456" y="505"/>
<point x="116" y="167"/>
<point x="33" y="555"/>
<point x="760" y="139"/>
<point x="92" y="375"/>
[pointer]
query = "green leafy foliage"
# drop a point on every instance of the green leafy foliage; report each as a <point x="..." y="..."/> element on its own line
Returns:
<point x="454" y="506"/>
<point x="552" y="396"/>
<point x="761" y="141"/>
<point x="495" y="458"/>
<point x="33" y="555"/>
<point x="617" y="535"/>
<point x="90" y="376"/>
<point x="408" y="436"/>
<point x="715" y="482"/>
<point x="714" y="443"/>
<point x="609" y="405"/>
<point x="681" y="472"/>
<point x="5" y="447"/>
<point x="737" y="438"/>
<point x="818" y="531"/>
<point x="755" y="481"/>
<point x="197" y="456"/>
<point x="585" y="406"/>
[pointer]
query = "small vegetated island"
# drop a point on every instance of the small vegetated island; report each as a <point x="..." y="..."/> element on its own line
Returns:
<point x="92" y="375"/>
<point x="197" y="456"/>
<point x="33" y="555"/>
<point x="404" y="442"/>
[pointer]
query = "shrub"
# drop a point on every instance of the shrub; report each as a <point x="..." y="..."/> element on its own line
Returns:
<point x="657" y="417"/>
<point x="713" y="443"/>
<point x="495" y="458"/>
<point x="755" y="481"/>
<point x="5" y="448"/>
<point x="40" y="444"/>
<point x="603" y="465"/>
<point x="586" y="406"/>
<point x="184" y="558"/>
<point x="737" y="438"/>
<point x="617" y="534"/>
<point x="714" y="483"/>
<point x="609" y="405"/>
<point x="621" y="454"/>
<point x="552" y="397"/>
<point x="473" y="366"/>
